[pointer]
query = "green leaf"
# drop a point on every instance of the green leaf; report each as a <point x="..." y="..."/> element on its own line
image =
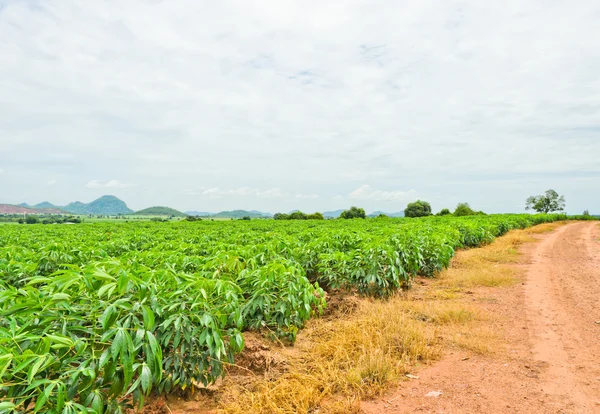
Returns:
<point x="109" y="316"/>
<point x="119" y="343"/>
<point x="146" y="379"/>
<point x="148" y="318"/>
<point x="34" y="369"/>
<point x="57" y="297"/>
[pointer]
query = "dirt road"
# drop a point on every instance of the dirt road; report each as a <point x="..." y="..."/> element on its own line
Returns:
<point x="563" y="307"/>
<point x="550" y="326"/>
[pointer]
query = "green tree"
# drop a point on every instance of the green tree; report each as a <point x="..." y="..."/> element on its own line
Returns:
<point x="353" y="213"/>
<point x="546" y="203"/>
<point x="31" y="220"/>
<point x="418" y="209"/>
<point x="464" y="209"/>
<point x="586" y="213"/>
<point x="298" y="215"/>
<point x="444" y="212"/>
<point x="316" y="216"/>
<point x="281" y="216"/>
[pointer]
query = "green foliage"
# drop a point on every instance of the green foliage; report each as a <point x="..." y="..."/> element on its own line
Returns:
<point x="548" y="202"/>
<point x="298" y="215"/>
<point x="417" y="209"/>
<point x="31" y="220"/>
<point x="353" y="213"/>
<point x="464" y="209"/>
<point x="96" y="317"/>
<point x="586" y="213"/>
<point x="192" y="218"/>
<point x="444" y="212"/>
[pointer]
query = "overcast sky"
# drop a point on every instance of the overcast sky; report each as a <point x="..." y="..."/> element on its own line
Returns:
<point x="317" y="105"/>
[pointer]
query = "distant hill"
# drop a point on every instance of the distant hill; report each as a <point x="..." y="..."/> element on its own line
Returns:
<point x="241" y="213"/>
<point x="160" y="211"/>
<point x="231" y="214"/>
<point x="199" y="213"/>
<point x="377" y="213"/>
<point x="106" y="205"/>
<point x="332" y="214"/>
<point x="45" y="204"/>
<point x="11" y="209"/>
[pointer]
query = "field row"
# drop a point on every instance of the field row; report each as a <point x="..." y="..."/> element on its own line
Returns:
<point x="91" y="314"/>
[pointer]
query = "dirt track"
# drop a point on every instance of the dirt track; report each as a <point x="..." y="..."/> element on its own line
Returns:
<point x="563" y="298"/>
<point x="551" y="325"/>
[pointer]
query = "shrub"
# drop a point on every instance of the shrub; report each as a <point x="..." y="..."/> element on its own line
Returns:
<point x="354" y="212"/>
<point x="463" y="209"/>
<point x="31" y="220"/>
<point x="418" y="209"/>
<point x="316" y="216"/>
<point x="444" y="212"/>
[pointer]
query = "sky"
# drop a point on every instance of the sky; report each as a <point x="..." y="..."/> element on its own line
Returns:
<point x="314" y="105"/>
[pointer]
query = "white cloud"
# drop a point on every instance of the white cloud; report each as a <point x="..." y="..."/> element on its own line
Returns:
<point x="366" y="192"/>
<point x="51" y="182"/>
<point x="314" y="97"/>
<point x="218" y="192"/>
<point x="107" y="184"/>
<point x="272" y="193"/>
<point x="337" y="197"/>
<point x="307" y="196"/>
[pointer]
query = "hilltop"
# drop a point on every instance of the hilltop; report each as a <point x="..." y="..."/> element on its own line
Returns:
<point x="241" y="213"/>
<point x="106" y="205"/>
<point x="160" y="211"/>
<point x="231" y="214"/>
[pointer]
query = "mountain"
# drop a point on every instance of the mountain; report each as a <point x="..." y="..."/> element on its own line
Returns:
<point x="241" y="213"/>
<point x="332" y="214"/>
<point x="44" y="204"/>
<point x="22" y="205"/>
<point x="106" y="205"/>
<point x="160" y="211"/>
<point x="199" y="213"/>
<point x="377" y="213"/>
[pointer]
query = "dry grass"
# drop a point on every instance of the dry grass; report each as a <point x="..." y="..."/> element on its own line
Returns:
<point x="487" y="266"/>
<point x="357" y="357"/>
<point x="362" y="353"/>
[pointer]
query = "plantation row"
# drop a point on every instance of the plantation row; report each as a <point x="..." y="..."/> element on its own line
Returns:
<point x="94" y="317"/>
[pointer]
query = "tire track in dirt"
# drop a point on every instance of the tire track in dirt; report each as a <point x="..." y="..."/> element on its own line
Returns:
<point x="551" y="364"/>
<point x="562" y="293"/>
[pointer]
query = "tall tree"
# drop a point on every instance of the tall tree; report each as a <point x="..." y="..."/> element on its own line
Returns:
<point x="548" y="202"/>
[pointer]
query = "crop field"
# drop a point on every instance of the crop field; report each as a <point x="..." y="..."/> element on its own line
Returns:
<point x="94" y="317"/>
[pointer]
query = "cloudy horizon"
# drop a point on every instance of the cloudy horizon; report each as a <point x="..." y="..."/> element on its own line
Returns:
<point x="314" y="105"/>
